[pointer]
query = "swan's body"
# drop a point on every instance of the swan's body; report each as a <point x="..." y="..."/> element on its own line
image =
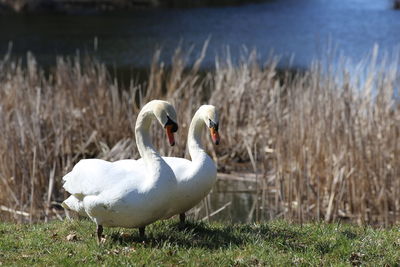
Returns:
<point x="126" y="193"/>
<point x="195" y="178"/>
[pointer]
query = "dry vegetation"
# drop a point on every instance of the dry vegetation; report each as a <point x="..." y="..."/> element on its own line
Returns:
<point x="323" y="144"/>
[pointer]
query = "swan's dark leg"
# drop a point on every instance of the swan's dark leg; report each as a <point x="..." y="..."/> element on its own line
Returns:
<point x="141" y="232"/>
<point x="99" y="232"/>
<point x="182" y="218"/>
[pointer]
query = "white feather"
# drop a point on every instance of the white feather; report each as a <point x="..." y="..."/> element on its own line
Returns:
<point x="125" y="193"/>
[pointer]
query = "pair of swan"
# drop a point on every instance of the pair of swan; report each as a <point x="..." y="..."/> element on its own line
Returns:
<point x="135" y="193"/>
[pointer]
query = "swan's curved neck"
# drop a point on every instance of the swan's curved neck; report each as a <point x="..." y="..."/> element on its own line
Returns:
<point x="142" y="134"/>
<point x="194" y="136"/>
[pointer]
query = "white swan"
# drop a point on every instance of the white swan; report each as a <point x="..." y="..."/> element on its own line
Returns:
<point x="126" y="193"/>
<point x="195" y="178"/>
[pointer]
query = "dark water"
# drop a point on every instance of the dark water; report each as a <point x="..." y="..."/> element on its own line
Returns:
<point x="287" y="28"/>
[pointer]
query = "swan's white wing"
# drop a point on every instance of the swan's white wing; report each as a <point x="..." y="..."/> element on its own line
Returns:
<point x="179" y="166"/>
<point x="93" y="176"/>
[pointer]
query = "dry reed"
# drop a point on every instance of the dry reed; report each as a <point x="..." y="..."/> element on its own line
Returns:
<point x="323" y="144"/>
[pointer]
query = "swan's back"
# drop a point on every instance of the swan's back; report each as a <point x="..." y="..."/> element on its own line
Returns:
<point x="88" y="177"/>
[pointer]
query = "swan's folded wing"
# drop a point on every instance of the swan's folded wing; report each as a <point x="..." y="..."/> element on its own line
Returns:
<point x="93" y="176"/>
<point x="179" y="166"/>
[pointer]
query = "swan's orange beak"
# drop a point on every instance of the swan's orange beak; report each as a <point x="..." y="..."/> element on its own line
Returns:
<point x="170" y="134"/>
<point x="214" y="135"/>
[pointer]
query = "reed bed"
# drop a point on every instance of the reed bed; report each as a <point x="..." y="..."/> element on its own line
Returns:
<point x="322" y="144"/>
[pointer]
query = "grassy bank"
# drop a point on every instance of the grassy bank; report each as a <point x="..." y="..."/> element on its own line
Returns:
<point x="200" y="244"/>
<point x="322" y="144"/>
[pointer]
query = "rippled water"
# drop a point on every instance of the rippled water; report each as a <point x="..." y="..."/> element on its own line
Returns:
<point x="286" y="27"/>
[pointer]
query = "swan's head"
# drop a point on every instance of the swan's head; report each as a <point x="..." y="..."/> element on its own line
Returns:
<point x="166" y="116"/>
<point x="210" y="117"/>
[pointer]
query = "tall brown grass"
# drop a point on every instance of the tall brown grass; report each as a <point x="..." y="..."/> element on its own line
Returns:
<point x="321" y="144"/>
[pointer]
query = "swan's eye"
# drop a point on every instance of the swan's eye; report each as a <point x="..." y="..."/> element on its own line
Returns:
<point x="213" y="125"/>
<point x="171" y="122"/>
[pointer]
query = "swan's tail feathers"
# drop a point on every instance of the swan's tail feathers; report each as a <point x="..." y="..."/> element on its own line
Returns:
<point x="73" y="205"/>
<point x="66" y="177"/>
<point x="71" y="185"/>
<point x="68" y="212"/>
<point x="68" y="182"/>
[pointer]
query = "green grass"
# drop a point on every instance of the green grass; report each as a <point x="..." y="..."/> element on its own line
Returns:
<point x="200" y="244"/>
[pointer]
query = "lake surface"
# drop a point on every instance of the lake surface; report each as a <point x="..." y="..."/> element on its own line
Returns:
<point x="287" y="28"/>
